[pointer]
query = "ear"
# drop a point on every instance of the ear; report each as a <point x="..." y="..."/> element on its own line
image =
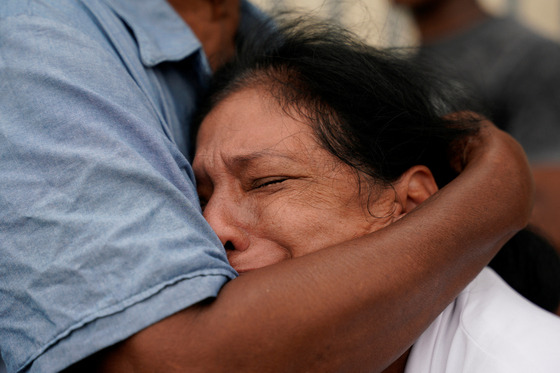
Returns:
<point x="415" y="186"/>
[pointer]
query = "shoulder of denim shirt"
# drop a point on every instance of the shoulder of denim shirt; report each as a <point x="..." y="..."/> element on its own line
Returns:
<point x="160" y="32"/>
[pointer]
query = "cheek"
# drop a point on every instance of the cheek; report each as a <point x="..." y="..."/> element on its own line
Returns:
<point x="307" y="219"/>
<point x="261" y="253"/>
<point x="300" y="227"/>
<point x="317" y="223"/>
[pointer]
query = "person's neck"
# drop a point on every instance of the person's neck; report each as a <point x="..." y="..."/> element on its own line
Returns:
<point x="399" y="364"/>
<point x="444" y="17"/>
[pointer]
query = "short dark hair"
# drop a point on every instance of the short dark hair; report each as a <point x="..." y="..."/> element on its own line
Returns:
<point x="374" y="109"/>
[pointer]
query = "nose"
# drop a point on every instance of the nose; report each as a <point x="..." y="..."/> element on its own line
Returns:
<point x="224" y="220"/>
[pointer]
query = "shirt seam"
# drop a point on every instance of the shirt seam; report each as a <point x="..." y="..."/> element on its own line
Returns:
<point x="119" y="307"/>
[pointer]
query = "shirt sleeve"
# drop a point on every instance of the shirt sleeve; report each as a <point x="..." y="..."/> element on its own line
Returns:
<point x="100" y="230"/>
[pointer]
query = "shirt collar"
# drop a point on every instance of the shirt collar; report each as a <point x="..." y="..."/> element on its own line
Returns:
<point x="161" y="33"/>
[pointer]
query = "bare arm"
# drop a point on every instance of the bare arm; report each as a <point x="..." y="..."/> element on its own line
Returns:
<point x="356" y="306"/>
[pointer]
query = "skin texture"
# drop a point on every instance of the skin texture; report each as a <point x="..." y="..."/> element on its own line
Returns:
<point x="294" y="197"/>
<point x="271" y="192"/>
<point x="247" y="182"/>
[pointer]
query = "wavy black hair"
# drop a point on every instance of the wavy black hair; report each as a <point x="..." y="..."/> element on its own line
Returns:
<point x="373" y="109"/>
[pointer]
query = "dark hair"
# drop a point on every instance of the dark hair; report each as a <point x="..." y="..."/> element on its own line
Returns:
<point x="373" y="109"/>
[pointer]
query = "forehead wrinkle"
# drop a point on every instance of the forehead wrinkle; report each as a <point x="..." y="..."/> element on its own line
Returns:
<point x="243" y="161"/>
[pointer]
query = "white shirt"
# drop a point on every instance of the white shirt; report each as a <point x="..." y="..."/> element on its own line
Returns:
<point x="489" y="328"/>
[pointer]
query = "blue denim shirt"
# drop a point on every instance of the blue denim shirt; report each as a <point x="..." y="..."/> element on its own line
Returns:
<point x="101" y="233"/>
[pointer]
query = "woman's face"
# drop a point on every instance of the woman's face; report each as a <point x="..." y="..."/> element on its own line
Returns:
<point x="270" y="191"/>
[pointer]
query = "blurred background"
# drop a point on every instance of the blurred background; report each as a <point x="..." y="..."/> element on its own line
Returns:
<point x="383" y="24"/>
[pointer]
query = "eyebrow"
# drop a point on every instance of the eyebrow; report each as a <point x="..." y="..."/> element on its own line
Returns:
<point x="246" y="160"/>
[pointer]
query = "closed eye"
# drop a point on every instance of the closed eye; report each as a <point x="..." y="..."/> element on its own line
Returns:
<point x="261" y="183"/>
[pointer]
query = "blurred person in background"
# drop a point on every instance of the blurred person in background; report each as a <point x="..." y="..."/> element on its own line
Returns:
<point x="516" y="75"/>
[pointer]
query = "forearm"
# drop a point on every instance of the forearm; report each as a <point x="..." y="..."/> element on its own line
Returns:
<point x="356" y="306"/>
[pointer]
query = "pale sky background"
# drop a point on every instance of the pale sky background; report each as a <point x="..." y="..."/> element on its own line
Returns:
<point x="384" y="25"/>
